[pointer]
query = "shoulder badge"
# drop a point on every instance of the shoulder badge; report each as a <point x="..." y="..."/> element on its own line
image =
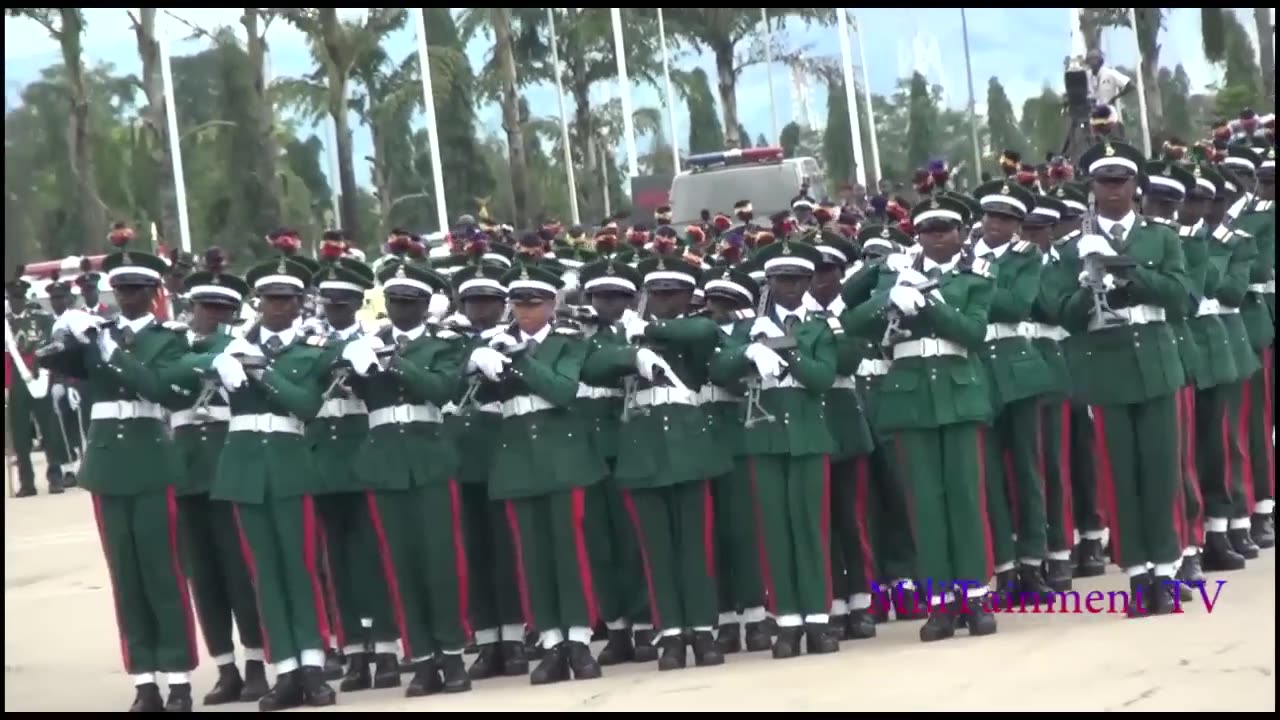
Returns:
<point x="317" y="340"/>
<point x="1162" y="221"/>
<point x="567" y="329"/>
<point x="1222" y="232"/>
<point x="980" y="267"/>
<point x="834" y="323"/>
<point x="447" y="335"/>
<point x="1023" y="247"/>
<point x="174" y="325"/>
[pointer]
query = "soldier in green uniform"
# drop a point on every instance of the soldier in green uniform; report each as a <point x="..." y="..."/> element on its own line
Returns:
<point x="1020" y="379"/>
<point x="276" y="380"/>
<point x="362" y="616"/>
<point x="935" y="404"/>
<point x="181" y="263"/>
<point x="790" y="454"/>
<point x="666" y="459"/>
<point x="543" y="464"/>
<point x="854" y="572"/>
<point x="64" y="393"/>
<point x="1131" y="372"/>
<point x="1046" y="335"/>
<point x="473" y="428"/>
<point x="210" y="543"/>
<point x="731" y="297"/>
<point x="30" y="407"/>
<point x="131" y="471"/>
<point x="416" y="503"/>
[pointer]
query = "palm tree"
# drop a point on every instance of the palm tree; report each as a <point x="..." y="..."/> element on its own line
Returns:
<point x="1213" y="33"/>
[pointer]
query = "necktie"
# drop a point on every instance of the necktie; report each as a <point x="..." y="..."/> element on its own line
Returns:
<point x="531" y="346"/>
<point x="934" y="272"/>
<point x="1117" y="234"/>
<point x="273" y="344"/>
<point x="402" y="341"/>
<point x="789" y="323"/>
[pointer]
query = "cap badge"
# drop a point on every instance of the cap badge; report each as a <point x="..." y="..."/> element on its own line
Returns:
<point x="1108" y="150"/>
<point x="933" y="204"/>
<point x="662" y="264"/>
<point x="125" y="259"/>
<point x="282" y="268"/>
<point x="884" y="231"/>
<point x="1004" y="190"/>
<point x="333" y="273"/>
<point x="524" y="273"/>
<point x="1195" y="170"/>
<point x="1168" y="170"/>
<point x="609" y="270"/>
<point x="400" y="271"/>
<point x="786" y="248"/>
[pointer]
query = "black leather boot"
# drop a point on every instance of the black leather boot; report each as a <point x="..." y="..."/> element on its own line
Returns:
<point x="836" y="626"/>
<point x="358" y="676"/>
<point x="514" y="659"/>
<point x="146" y="697"/>
<point x="453" y="670"/>
<point x="30" y="491"/>
<point x="1190" y="572"/>
<point x="179" y="698"/>
<point x="1163" y="598"/>
<point x="255" y="681"/>
<point x="426" y="679"/>
<point x="1218" y="554"/>
<point x="315" y="689"/>
<point x="646" y="646"/>
<point x="787" y="645"/>
<point x="819" y="639"/>
<point x="286" y="694"/>
<point x="553" y="668"/>
<point x="488" y="662"/>
<point x="978" y="618"/>
<point x="1090" y="562"/>
<point x="1032" y="588"/>
<point x="333" y="664"/>
<point x="729" y="638"/>
<point x="55" y="484"/>
<point x="1006" y="590"/>
<point x="228" y="687"/>
<point x="909" y="603"/>
<point x="672" y="655"/>
<point x="1263" y="530"/>
<point x="583" y="665"/>
<point x="618" y="649"/>
<point x="940" y="625"/>
<point x="1058" y="575"/>
<point x="1242" y="543"/>
<point x="860" y="626"/>
<point x="757" y="637"/>
<point x="1140" y="596"/>
<point x="386" y="672"/>
<point x="705" y="650"/>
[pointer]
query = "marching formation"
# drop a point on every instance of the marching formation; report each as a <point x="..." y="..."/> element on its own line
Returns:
<point x="735" y="436"/>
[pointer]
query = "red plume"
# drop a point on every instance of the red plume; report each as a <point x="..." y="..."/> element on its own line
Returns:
<point x="762" y="238"/>
<point x="663" y="245"/>
<point x="1174" y="149"/>
<point x="215" y="260"/>
<point x="697" y="234"/>
<point x="477" y="248"/>
<point x="120" y="234"/>
<point x="906" y="226"/>
<point x="722" y="222"/>
<point x="849" y="231"/>
<point x="1026" y="176"/>
<point x="638" y="238"/>
<point x="417" y="249"/>
<point x="731" y="253"/>
<point x="332" y="249"/>
<point x="398" y="242"/>
<point x="823" y="214"/>
<point x="606" y="243"/>
<point x="922" y="181"/>
<point x="286" y="241"/>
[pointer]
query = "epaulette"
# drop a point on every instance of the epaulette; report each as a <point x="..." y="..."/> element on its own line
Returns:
<point x="1069" y="237"/>
<point x="567" y="329"/>
<point x="448" y="335"/>
<point x="980" y="267"/>
<point x="819" y="314"/>
<point x="1222" y="232"/>
<point x="744" y="314"/>
<point x="317" y="340"/>
<point x="1162" y="221"/>
<point x="833" y="322"/>
<point x="1023" y="247"/>
<point x="174" y="325"/>
<point x="1262" y="206"/>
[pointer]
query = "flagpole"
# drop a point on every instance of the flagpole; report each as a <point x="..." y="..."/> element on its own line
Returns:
<point x="564" y="121"/>
<point x="671" y="104"/>
<point x="175" y="142"/>
<point x="335" y="171"/>
<point x="1142" y="91"/>
<point x="866" y="89"/>
<point x="768" y="69"/>
<point x="973" y="119"/>
<point x="851" y="95"/>
<point x="433" y="130"/>
<point x="624" y="90"/>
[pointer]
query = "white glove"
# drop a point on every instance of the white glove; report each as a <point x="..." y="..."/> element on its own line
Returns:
<point x="635" y="328"/>
<point x="767" y="327"/>
<point x="107" y="345"/>
<point x="648" y="363"/>
<point x="230" y="371"/>
<point x="241" y="346"/>
<point x="627" y="316"/>
<point x="768" y="362"/>
<point x="911" y="276"/>
<point x="361" y="355"/>
<point x="488" y="361"/>
<point x="438" y="305"/>
<point x="458" y="320"/>
<point x="57" y="392"/>
<point x="1108" y="280"/>
<point x="898" y="262"/>
<point x="73" y="398"/>
<point x="79" y="323"/>
<point x="1094" y="245"/>
<point x="908" y="299"/>
<point x="503" y="341"/>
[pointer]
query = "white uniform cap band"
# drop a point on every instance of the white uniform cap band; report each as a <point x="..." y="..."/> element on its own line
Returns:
<point x="1201" y="182"/>
<point x="498" y="258"/>
<point x="833" y="252"/>
<point x="215" y="290"/>
<point x="877" y="242"/>
<point x="340" y="285"/>
<point x="1230" y="186"/>
<point x="729" y="285"/>
<point x="279" y="280"/>
<point x="1267" y="165"/>
<point x="757" y="275"/>
<point x="1113" y="160"/>
<point x="1047" y="212"/>
<point x="951" y="215"/>
<point x="1003" y="200"/>
<point x="1169" y="183"/>
<point x="532" y="285"/>
<point x="788" y="261"/>
<point x="1075" y="205"/>
<point x="670" y="275"/>
<point x="480" y="282"/>
<point x="1238" y="162"/>
<point x="699" y="292"/>
<point x="609" y="281"/>
<point x="133" y="270"/>
<point x="408" y="282"/>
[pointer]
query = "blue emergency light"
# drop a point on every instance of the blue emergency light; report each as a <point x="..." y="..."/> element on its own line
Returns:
<point x="726" y="158"/>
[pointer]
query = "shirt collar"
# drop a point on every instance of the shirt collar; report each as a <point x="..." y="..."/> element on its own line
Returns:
<point x="412" y="334"/>
<point x="1128" y="221"/>
<point x="286" y="336"/>
<point x="982" y="249"/>
<point x="136" y="324"/>
<point x="346" y="333"/>
<point x="800" y="312"/>
<point x="835" y="308"/>
<point x="944" y="267"/>
<point x="539" y="336"/>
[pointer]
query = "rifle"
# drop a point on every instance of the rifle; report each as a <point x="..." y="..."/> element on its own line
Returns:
<point x="468" y="400"/>
<point x="894" y="332"/>
<point x="1097" y="267"/>
<point x="629" y="383"/>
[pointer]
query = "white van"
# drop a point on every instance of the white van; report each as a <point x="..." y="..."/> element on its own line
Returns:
<point x="715" y="181"/>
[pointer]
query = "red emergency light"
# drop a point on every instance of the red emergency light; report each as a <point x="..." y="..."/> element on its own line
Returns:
<point x="727" y="158"/>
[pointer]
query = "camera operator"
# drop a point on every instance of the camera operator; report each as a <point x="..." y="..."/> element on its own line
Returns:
<point x="1106" y="86"/>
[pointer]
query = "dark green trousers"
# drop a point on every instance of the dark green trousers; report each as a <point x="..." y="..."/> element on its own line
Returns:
<point x="359" y="605"/>
<point x="1019" y="436"/>
<point x="1257" y="411"/>
<point x="793" y="511"/>
<point x="280" y="542"/>
<point x="737" y="553"/>
<point x="945" y="472"/>
<point x="139" y="536"/>
<point x="26" y="414"/>
<point x="999" y="507"/>
<point x="1085" y="500"/>
<point x="424" y="560"/>
<point x="219" y="579"/>
<point x="851" y="503"/>
<point x="553" y="563"/>
<point x="495" y="601"/>
<point x="1221" y="459"/>
<point x="1055" y="426"/>
<point x="615" y="556"/>
<point x="1189" y="523"/>
<point x="892" y="541"/>
<point x="675" y="530"/>
<point x="1139" y="475"/>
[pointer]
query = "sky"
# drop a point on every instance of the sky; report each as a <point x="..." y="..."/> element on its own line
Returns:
<point x="1024" y="47"/>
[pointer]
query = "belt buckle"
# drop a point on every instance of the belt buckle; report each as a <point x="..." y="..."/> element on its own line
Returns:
<point x="126" y="410"/>
<point x="930" y="347"/>
<point x="402" y="413"/>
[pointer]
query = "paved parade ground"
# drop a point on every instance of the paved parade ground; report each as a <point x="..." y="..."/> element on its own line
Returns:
<point x="62" y="652"/>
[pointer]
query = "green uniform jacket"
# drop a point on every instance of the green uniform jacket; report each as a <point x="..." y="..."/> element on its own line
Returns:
<point x="1055" y="282"/>
<point x="1259" y="309"/>
<point x="1130" y="364"/>
<point x="928" y="392"/>
<point x="334" y="438"/>
<point x="671" y="443"/>
<point x="1218" y="364"/>
<point x="846" y="418"/>
<point x="549" y="450"/>
<point x="472" y="430"/>
<point x="1193" y="251"/>
<point x="1233" y="292"/>
<point x="1016" y="369"/>
<point x="134" y="456"/>
<point x="723" y="405"/>
<point x="608" y="361"/>
<point x="399" y="456"/>
<point x="800" y="422"/>
<point x="199" y="446"/>
<point x="256" y="467"/>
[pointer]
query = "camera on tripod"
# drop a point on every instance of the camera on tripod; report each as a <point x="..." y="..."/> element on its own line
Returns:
<point x="1075" y="80"/>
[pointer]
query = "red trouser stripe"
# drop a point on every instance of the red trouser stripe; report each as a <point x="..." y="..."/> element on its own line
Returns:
<point x="111" y="572"/>
<point x="247" y="551"/>
<point x="1064" y="477"/>
<point x="311" y="561"/>
<point x="1179" y="503"/>
<point x="861" y="490"/>
<point x="1011" y="486"/>
<point x="522" y="580"/>
<point x="1268" y="355"/>
<point x="327" y="550"/>
<point x="988" y="547"/>
<point x="1227" y="453"/>
<point x="184" y="591"/>
<point x="708" y="529"/>
<point x="771" y="599"/>
<point x="1246" y="407"/>
<point x="630" y="504"/>
<point x="389" y="571"/>
<point x="1195" y="521"/>
<point x="824" y="524"/>
<point x="578" y="496"/>
<point x="1106" y="478"/>
<point x="460" y="560"/>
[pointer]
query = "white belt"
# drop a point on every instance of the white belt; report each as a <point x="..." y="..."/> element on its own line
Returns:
<point x="1136" y="315"/>
<point x="266" y="423"/>
<point x="1000" y="331"/>
<point x="1268" y="287"/>
<point x="591" y="392"/>
<point x="666" y="396"/>
<point x="126" y="410"/>
<point x="872" y="366"/>
<point x="494" y="407"/>
<point x="403" y="414"/>
<point x="928" y="347"/>
<point x="714" y="394"/>
<point x="523" y="405"/>
<point x="1224" y="310"/>
<point x="212" y="414"/>
<point x="1043" y="331"/>
<point x="845" y="382"/>
<point x="773" y="383"/>
<point x="449" y="408"/>
<point x="341" y="407"/>
<point x="1208" y="306"/>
